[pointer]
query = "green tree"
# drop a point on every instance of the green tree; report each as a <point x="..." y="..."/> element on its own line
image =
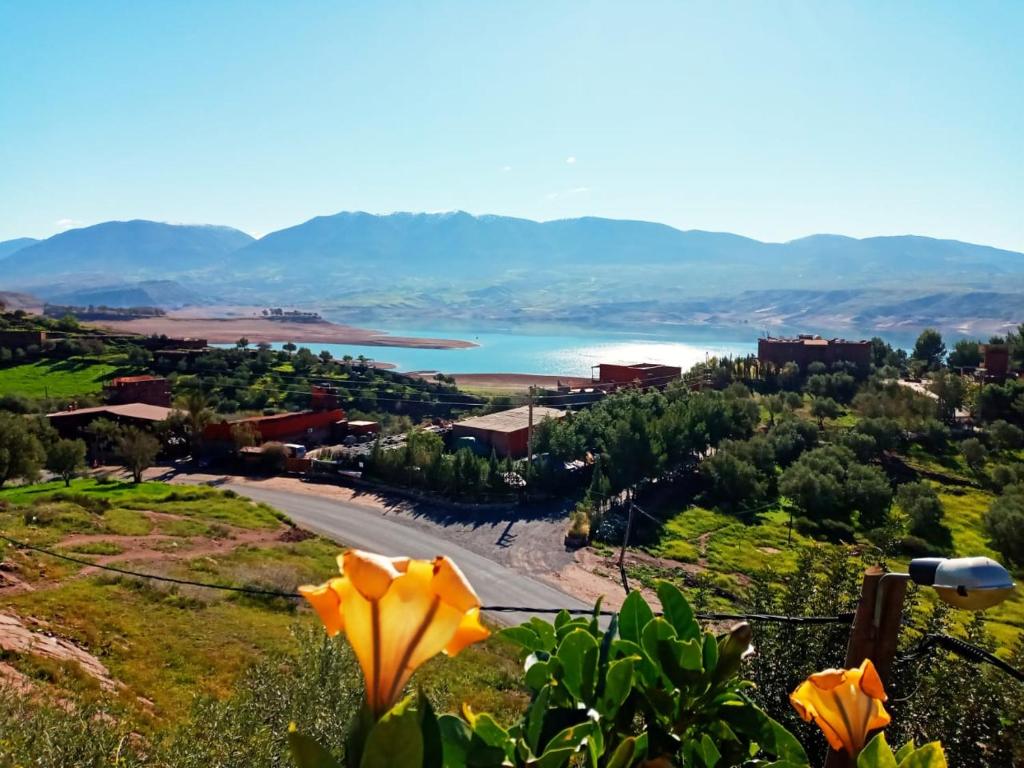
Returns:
<point x="65" y="458"/>
<point x="138" y="451"/>
<point x="288" y="347"/>
<point x="774" y="405"/>
<point x="974" y="453"/>
<point x="867" y="490"/>
<point x="929" y="348"/>
<point x="924" y="512"/>
<point x="21" y="453"/>
<point x="1004" y="523"/>
<point x="966" y="354"/>
<point x="733" y="483"/>
<point x="1006" y="436"/>
<point x="193" y="413"/>
<point x="242" y="343"/>
<point x="824" y="408"/>
<point x="950" y="390"/>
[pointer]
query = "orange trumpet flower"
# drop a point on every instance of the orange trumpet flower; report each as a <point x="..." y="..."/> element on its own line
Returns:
<point x="845" y="703"/>
<point x="397" y="613"/>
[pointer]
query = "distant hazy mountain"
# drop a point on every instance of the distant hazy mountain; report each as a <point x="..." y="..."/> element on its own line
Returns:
<point x="120" y="249"/>
<point x="167" y="294"/>
<point x="447" y="246"/>
<point x="404" y="267"/>
<point x="7" y="247"/>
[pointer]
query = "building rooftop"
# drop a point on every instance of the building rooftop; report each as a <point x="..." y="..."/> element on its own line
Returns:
<point x="810" y="340"/>
<point x="141" y="411"/>
<point x="511" y="420"/>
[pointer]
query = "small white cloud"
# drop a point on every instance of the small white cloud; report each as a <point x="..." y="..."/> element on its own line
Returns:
<point x="65" y="224"/>
<point x="571" y="160"/>
<point x="506" y="168"/>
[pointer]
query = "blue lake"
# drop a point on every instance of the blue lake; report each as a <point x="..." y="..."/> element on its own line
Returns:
<point x="546" y="353"/>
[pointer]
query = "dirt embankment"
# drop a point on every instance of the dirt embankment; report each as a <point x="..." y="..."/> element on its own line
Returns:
<point x="221" y="330"/>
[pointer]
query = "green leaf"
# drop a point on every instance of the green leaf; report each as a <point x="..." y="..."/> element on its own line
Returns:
<point x="656" y="629"/>
<point x="633" y="617"/>
<point x="535" y="719"/>
<point x="395" y="740"/>
<point x="525" y="636"/>
<point x="538" y="674"/>
<point x="564" y="745"/>
<point x="624" y="754"/>
<point x="769" y="734"/>
<point x="677" y="611"/>
<point x="617" y="684"/>
<point x="709" y="753"/>
<point x="709" y="653"/>
<point x="876" y="754"/>
<point x="928" y="756"/>
<point x="308" y="753"/>
<point x="433" y="749"/>
<point x="905" y="750"/>
<point x="455" y="740"/>
<point x="578" y="655"/>
<point x="545" y="632"/>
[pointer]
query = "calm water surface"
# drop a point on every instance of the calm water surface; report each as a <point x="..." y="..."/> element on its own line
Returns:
<point x="546" y="353"/>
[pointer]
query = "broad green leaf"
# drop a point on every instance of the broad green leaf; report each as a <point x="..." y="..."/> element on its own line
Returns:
<point x="455" y="739"/>
<point x="396" y="739"/>
<point x="876" y="754"/>
<point x="578" y="655"/>
<point x="617" y="684"/>
<point x="624" y="754"/>
<point x="535" y="719"/>
<point x="562" y="618"/>
<point x="928" y="756"/>
<point x="709" y="753"/>
<point x="680" y="661"/>
<point x="633" y="617"/>
<point x="433" y="749"/>
<point x="677" y="611"/>
<point x="308" y="753"/>
<point x="564" y="745"/>
<point x="486" y="728"/>
<point x="545" y="632"/>
<point x="656" y="629"/>
<point x="750" y="721"/>
<point x="537" y="675"/>
<point x="525" y="636"/>
<point x="709" y="653"/>
<point x="905" y="750"/>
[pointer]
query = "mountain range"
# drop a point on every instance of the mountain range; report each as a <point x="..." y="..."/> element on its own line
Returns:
<point x="469" y="268"/>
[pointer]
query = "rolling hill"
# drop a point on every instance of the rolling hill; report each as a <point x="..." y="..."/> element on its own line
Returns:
<point x="120" y="250"/>
<point x="468" y="268"/>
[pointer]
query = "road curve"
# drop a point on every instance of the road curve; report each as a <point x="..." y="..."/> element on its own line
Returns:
<point x="365" y="529"/>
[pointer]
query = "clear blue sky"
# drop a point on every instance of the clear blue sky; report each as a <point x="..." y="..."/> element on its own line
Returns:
<point x="769" y="120"/>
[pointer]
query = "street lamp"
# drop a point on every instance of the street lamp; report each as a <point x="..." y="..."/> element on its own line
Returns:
<point x="971" y="583"/>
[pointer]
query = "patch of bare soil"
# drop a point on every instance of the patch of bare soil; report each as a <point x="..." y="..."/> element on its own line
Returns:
<point x="15" y="637"/>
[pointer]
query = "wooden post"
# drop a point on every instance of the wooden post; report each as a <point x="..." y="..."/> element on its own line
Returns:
<point x="871" y="641"/>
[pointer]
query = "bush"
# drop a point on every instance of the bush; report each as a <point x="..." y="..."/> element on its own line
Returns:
<point x="836" y="530"/>
<point x="915" y="546"/>
<point x="974" y="453"/>
<point x="1004" y="523"/>
<point x="1006" y="436"/>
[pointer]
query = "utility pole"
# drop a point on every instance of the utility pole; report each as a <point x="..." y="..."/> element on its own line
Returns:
<point x="875" y="632"/>
<point x="625" y="543"/>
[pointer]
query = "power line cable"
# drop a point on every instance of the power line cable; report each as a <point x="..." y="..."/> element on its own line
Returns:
<point x="844" y="618"/>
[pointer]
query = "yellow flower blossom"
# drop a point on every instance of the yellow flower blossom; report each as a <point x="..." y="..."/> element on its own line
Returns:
<point x="845" y="703"/>
<point x="397" y="613"/>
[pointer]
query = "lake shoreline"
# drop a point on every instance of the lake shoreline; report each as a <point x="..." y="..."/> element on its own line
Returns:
<point x="227" y="330"/>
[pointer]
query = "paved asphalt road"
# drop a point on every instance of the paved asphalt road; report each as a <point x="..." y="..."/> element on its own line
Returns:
<point x="352" y="525"/>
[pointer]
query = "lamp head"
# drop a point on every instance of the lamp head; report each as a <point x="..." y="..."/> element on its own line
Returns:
<point x="973" y="583"/>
